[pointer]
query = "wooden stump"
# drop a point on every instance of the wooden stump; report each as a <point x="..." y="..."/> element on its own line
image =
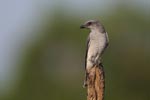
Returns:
<point x="96" y="83"/>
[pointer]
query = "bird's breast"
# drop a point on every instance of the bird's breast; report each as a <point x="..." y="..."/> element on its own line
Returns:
<point x="97" y="44"/>
<point x="97" y="40"/>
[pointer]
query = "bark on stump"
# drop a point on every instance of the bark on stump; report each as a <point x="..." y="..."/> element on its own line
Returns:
<point x="96" y="83"/>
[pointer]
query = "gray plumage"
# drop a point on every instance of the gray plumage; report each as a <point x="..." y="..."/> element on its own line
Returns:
<point x="96" y="43"/>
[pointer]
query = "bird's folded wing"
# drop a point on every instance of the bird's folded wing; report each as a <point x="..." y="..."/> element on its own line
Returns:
<point x="87" y="48"/>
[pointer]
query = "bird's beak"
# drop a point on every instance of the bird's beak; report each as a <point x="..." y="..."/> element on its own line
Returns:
<point x="82" y="26"/>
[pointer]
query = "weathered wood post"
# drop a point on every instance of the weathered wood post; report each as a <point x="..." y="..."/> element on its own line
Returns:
<point x="96" y="83"/>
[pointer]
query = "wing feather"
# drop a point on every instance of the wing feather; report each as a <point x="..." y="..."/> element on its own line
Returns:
<point x="87" y="48"/>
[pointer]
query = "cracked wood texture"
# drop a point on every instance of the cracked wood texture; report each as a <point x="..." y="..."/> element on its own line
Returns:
<point x="96" y="83"/>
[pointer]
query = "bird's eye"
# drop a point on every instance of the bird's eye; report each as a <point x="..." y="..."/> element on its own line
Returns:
<point x="89" y="23"/>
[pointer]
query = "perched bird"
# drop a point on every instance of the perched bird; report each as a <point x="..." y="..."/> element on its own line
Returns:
<point x="97" y="42"/>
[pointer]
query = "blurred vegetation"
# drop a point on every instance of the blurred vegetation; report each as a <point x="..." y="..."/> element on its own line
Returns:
<point x="53" y="67"/>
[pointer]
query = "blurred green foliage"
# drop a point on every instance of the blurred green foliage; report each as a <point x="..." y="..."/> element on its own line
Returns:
<point x="53" y="68"/>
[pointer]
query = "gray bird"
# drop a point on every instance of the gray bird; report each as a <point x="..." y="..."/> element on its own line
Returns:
<point x="97" y="42"/>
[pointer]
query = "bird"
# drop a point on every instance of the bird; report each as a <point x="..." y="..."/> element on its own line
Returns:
<point x="97" y="42"/>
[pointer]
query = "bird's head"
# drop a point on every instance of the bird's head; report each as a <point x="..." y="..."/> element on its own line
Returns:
<point x="91" y="24"/>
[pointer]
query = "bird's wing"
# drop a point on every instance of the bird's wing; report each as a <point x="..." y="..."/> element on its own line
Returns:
<point x="107" y="39"/>
<point x="87" y="48"/>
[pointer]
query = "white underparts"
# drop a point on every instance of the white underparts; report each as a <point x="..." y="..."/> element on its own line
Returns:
<point x="98" y="43"/>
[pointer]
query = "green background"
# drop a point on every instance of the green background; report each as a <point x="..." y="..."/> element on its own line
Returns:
<point x="52" y="65"/>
